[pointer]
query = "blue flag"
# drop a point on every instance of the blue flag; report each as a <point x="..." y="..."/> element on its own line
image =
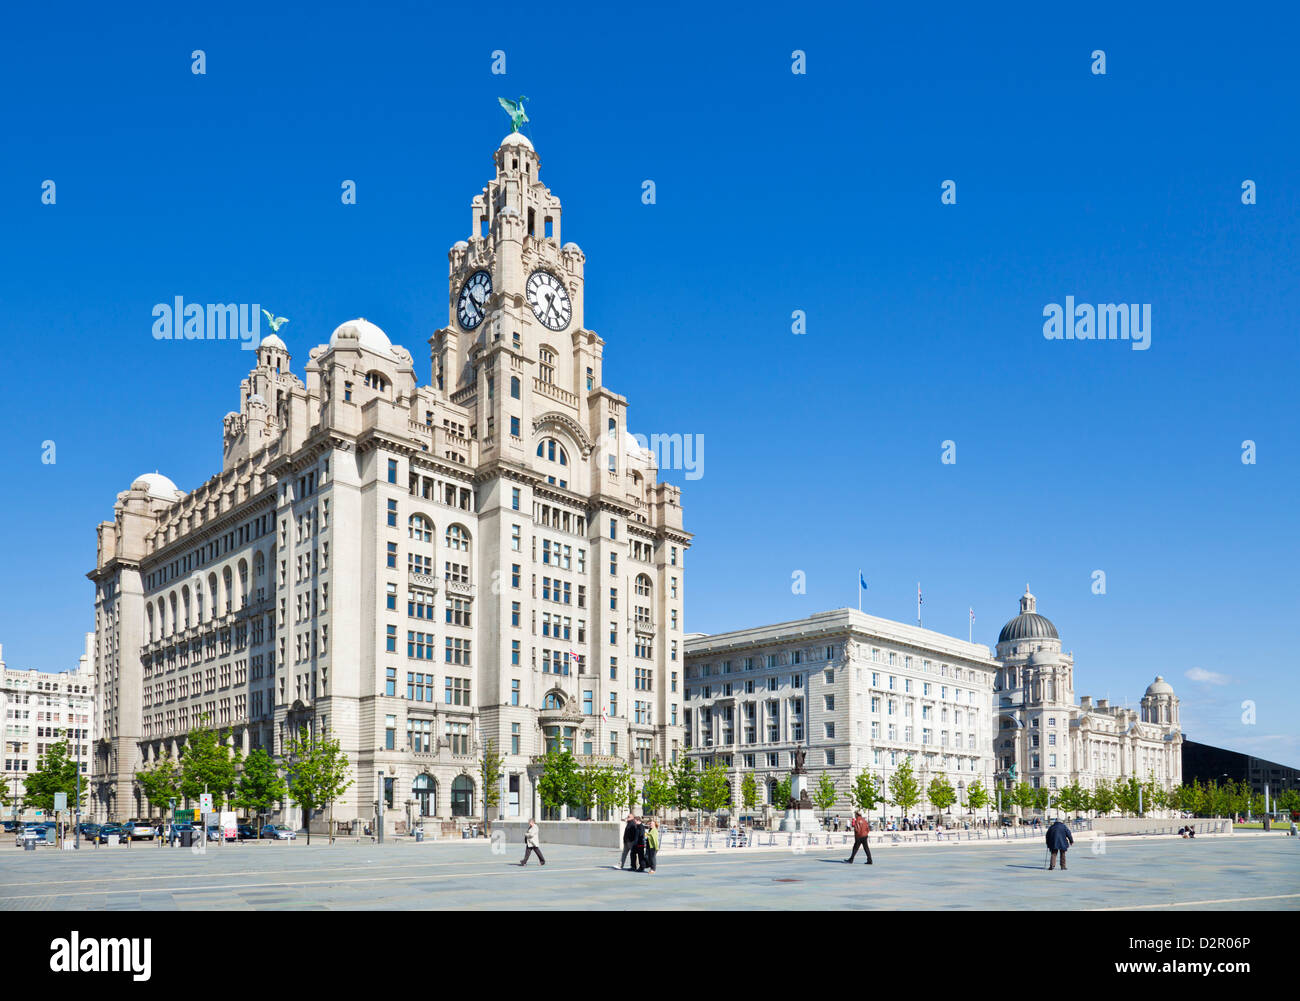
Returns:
<point x="863" y="580"/>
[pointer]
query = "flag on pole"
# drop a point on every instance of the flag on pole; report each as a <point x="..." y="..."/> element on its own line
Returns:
<point x="862" y="581"/>
<point x="918" y="602"/>
<point x="970" y="631"/>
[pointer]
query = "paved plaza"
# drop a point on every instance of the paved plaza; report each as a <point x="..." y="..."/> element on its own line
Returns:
<point x="1241" y="872"/>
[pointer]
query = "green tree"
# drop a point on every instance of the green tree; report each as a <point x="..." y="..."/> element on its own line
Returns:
<point x="657" y="790"/>
<point x="685" y="781"/>
<point x="904" y="789"/>
<point x="1289" y="801"/>
<point x="207" y="764"/>
<point x="628" y="795"/>
<point x="1023" y="796"/>
<point x="1126" y="795"/>
<point x="1042" y="796"/>
<point x="977" y="797"/>
<point x="715" y="788"/>
<point x="160" y="783"/>
<point x="1067" y="798"/>
<point x="490" y="771"/>
<point x="825" y="795"/>
<point x="559" y="785"/>
<point x="941" y="793"/>
<point x="55" y="772"/>
<point x="261" y="788"/>
<point x="1103" y="797"/>
<point x="609" y="787"/>
<point x="783" y="792"/>
<point x="749" y="791"/>
<point x="318" y="774"/>
<point x="865" y="793"/>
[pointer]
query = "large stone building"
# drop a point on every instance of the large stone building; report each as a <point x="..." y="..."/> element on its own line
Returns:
<point x="419" y="569"/>
<point x="1050" y="741"/>
<point x="41" y="708"/>
<point x="860" y="692"/>
<point x="864" y="693"/>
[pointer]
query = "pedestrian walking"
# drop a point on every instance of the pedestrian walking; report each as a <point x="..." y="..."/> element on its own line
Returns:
<point x="530" y="843"/>
<point x="1059" y="839"/>
<point x="861" y="828"/>
<point x="629" y="839"/>
<point x="652" y="846"/>
<point x="638" y="847"/>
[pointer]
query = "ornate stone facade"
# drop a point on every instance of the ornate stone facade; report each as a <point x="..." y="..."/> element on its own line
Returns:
<point x="420" y="569"/>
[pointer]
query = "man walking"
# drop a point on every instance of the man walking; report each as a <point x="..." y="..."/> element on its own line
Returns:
<point x="861" y="828"/>
<point x="530" y="843"/>
<point x="1059" y="839"/>
<point x="629" y="839"/>
<point x="638" y="847"/>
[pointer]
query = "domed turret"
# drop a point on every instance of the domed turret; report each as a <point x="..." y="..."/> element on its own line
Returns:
<point x="1028" y="625"/>
<point x="158" y="486"/>
<point x="365" y="333"/>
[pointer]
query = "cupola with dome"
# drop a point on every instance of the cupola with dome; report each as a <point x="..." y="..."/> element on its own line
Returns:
<point x="1028" y="625"/>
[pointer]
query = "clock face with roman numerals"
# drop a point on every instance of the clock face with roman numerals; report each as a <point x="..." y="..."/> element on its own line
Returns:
<point x="549" y="299"/>
<point x="473" y="299"/>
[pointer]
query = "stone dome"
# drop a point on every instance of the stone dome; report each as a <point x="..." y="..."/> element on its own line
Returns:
<point x="1044" y="658"/>
<point x="516" y="139"/>
<point x="273" y="341"/>
<point x="1028" y="625"/>
<point x="365" y="333"/>
<point x="460" y="245"/>
<point x="1160" y="687"/>
<point x="158" y="486"/>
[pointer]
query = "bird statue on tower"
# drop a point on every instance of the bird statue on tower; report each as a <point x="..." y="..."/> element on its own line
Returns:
<point x="515" y="109"/>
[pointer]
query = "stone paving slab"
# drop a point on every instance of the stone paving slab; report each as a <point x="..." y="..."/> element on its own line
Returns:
<point x="1220" y="873"/>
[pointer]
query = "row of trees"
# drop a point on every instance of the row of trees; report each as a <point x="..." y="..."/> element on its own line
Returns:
<point x="313" y="775"/>
<point x="614" y="787"/>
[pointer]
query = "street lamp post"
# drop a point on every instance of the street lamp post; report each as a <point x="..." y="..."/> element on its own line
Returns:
<point x="379" y="810"/>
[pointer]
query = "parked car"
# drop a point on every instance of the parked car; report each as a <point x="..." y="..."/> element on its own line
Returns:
<point x="174" y="831"/>
<point x="88" y="830"/>
<point x="101" y="836"/>
<point x="281" y="832"/>
<point x="10" y="826"/>
<point x="246" y="832"/>
<point x="139" y="830"/>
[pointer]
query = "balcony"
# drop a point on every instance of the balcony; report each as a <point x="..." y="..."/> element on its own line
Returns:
<point x="460" y="587"/>
<point x="554" y="392"/>
<point x="643" y="627"/>
<point x="423" y="579"/>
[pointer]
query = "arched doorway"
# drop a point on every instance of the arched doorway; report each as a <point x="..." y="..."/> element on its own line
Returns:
<point x="424" y="790"/>
<point x="462" y="796"/>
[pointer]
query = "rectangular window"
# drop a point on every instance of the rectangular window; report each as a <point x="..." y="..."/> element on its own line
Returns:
<point x="514" y="498"/>
<point x="392" y="470"/>
<point x="390" y="681"/>
<point x="514" y="738"/>
<point x="392" y="555"/>
<point x="392" y="514"/>
<point x="514" y="426"/>
<point x="390" y="733"/>
<point x="514" y="691"/>
<point x="514" y="537"/>
<point x="390" y="640"/>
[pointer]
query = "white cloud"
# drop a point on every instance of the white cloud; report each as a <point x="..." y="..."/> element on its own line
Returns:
<point x="1208" y="677"/>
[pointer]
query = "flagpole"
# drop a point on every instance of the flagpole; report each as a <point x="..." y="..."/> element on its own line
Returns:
<point x="859" y="589"/>
<point x="918" y="604"/>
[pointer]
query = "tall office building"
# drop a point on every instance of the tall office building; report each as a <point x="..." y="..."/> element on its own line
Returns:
<point x="418" y="569"/>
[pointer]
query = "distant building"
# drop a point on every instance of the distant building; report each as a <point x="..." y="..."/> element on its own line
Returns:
<point x="1206" y="763"/>
<point x="40" y="708"/>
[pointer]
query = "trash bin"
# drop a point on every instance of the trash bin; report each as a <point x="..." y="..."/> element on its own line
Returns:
<point x="419" y="835"/>
<point x="187" y="838"/>
<point x="29" y="843"/>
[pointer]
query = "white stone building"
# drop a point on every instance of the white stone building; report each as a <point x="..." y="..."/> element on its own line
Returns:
<point x="41" y="708"/>
<point x="1050" y="741"/>
<point x="861" y="693"/>
<point x="420" y="569"/>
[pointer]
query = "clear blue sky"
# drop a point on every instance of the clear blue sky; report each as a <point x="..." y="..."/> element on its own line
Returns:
<point x="775" y="192"/>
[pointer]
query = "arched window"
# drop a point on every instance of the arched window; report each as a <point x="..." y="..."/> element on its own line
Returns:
<point x="198" y="602"/>
<point x="185" y="607"/>
<point x="424" y="790"/>
<point x="462" y="796"/>
<point x="643" y="585"/>
<point x="552" y="451"/>
<point x="419" y="528"/>
<point x="514" y="387"/>
<point x="613" y="429"/>
<point x="375" y="380"/>
<point x="457" y="539"/>
<point x="546" y="364"/>
<point x="226" y="588"/>
<point x="212" y="594"/>
<point x="174" y="620"/>
<point x="243" y="583"/>
<point x="149" y="614"/>
<point x="259" y="564"/>
<point x="553" y="700"/>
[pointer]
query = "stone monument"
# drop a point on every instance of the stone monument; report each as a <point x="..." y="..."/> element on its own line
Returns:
<point x="799" y="816"/>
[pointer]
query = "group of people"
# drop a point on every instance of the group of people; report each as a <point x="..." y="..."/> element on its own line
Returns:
<point x="641" y="841"/>
<point x="1187" y="832"/>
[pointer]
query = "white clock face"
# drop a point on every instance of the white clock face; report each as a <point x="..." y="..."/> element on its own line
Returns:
<point x="550" y="301"/>
<point x="473" y="299"/>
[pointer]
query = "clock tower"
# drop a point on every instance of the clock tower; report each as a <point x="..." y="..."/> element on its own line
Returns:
<point x="580" y="552"/>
